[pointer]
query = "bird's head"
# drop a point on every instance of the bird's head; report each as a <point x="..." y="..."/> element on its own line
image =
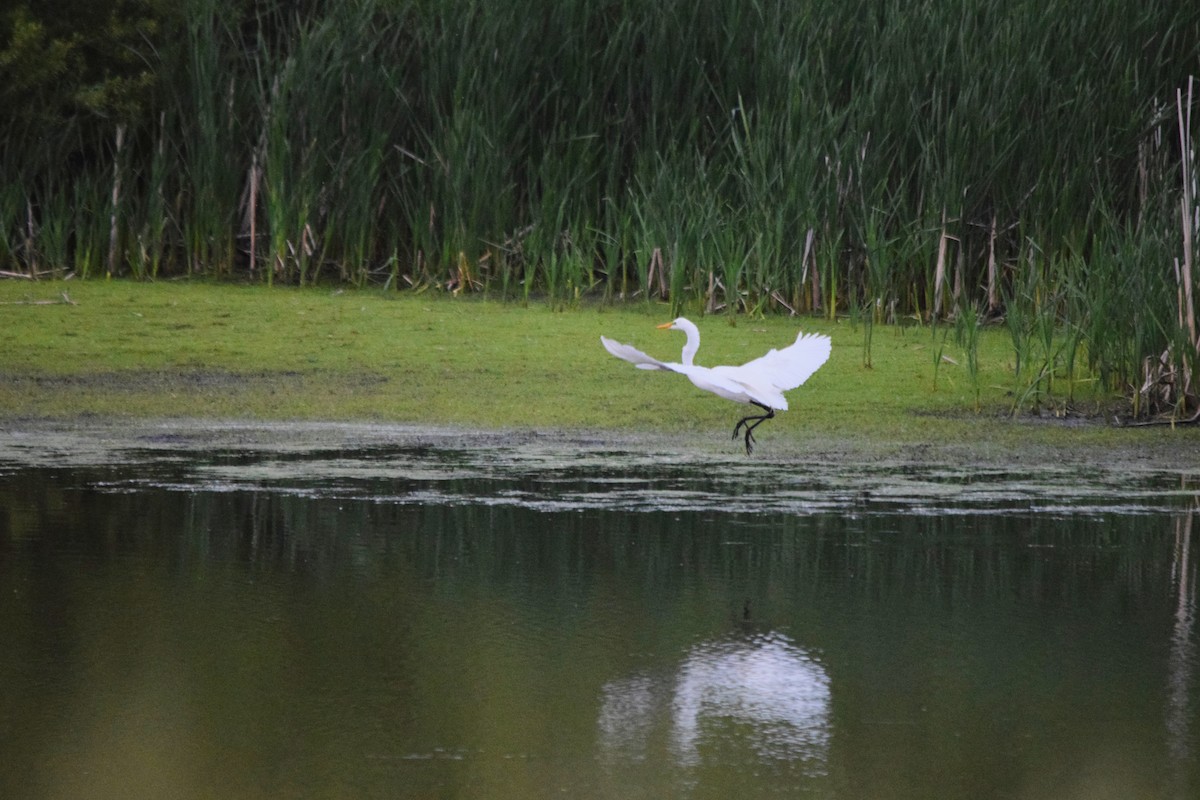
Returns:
<point x="693" y="337"/>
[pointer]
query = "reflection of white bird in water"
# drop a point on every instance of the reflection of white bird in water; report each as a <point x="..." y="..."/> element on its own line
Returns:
<point x="765" y="691"/>
<point x="760" y="382"/>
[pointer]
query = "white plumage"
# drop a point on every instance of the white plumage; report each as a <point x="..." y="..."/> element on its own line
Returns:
<point x="760" y="382"/>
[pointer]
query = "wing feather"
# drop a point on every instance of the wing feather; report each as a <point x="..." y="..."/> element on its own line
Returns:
<point x="633" y="355"/>
<point x="793" y="365"/>
<point x="763" y="380"/>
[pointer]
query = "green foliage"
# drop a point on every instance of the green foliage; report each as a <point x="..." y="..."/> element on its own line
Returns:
<point x="879" y="158"/>
<point x="60" y="61"/>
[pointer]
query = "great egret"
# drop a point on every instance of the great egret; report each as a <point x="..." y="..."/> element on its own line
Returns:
<point x="760" y="382"/>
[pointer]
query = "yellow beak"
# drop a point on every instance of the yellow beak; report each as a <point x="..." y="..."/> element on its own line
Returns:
<point x="665" y="325"/>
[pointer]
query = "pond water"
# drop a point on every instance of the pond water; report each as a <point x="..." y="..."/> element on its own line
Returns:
<point x="308" y="611"/>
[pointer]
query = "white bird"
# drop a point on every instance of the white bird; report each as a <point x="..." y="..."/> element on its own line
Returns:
<point x="760" y="382"/>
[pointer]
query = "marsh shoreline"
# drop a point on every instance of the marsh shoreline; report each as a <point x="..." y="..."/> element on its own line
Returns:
<point x="95" y="440"/>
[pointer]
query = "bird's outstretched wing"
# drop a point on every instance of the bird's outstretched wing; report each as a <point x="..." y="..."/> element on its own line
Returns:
<point x="634" y="356"/>
<point x="793" y="365"/>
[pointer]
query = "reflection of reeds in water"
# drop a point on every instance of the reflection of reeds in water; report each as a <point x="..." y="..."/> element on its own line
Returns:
<point x="1182" y="660"/>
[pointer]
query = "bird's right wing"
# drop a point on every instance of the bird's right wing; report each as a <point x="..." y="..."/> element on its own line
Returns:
<point x="633" y="355"/>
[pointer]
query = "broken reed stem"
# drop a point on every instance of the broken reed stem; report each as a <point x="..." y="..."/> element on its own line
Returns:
<point x="656" y="266"/>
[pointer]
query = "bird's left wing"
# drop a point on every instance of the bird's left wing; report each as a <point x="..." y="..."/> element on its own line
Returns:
<point x="633" y="355"/>
<point x="793" y="365"/>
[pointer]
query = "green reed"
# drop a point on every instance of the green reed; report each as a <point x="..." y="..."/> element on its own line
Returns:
<point x="874" y="158"/>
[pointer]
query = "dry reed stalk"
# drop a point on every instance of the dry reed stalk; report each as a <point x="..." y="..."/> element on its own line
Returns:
<point x="778" y="298"/>
<point x="30" y="235"/>
<point x="993" y="288"/>
<point x="1180" y="304"/>
<point x="656" y="268"/>
<point x="939" y="272"/>
<point x="1170" y="375"/>
<point x="809" y="264"/>
<point x="114" y="232"/>
<point x="252" y="208"/>
<point x="1184" y="272"/>
<point x="960" y="267"/>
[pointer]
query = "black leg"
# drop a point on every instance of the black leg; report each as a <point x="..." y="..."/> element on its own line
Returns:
<point x="750" y="426"/>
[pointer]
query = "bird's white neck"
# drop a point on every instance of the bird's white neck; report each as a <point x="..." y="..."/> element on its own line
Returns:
<point x="693" y="340"/>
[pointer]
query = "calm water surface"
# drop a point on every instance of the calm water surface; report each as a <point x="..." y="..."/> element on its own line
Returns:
<point x="286" y="614"/>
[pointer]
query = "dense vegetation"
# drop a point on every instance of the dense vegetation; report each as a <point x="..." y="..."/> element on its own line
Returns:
<point x="937" y="160"/>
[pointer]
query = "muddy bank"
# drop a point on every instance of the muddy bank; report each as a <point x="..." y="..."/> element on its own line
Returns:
<point x="579" y="470"/>
<point x="91" y="438"/>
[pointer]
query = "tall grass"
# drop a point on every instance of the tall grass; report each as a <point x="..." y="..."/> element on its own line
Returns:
<point x="879" y="158"/>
